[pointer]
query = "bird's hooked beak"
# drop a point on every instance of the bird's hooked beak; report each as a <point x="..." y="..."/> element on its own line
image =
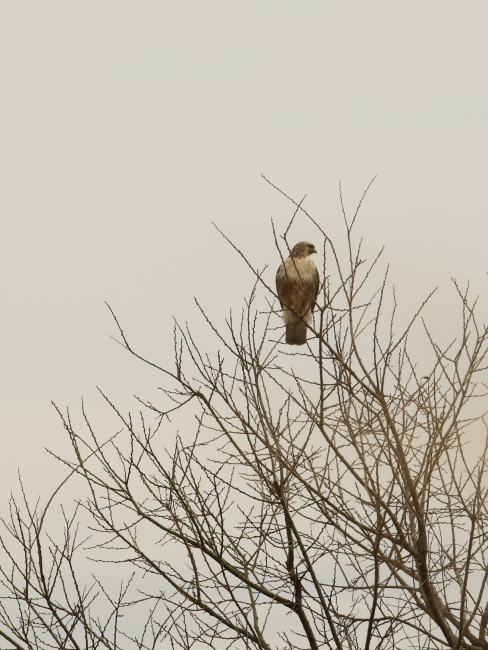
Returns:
<point x="314" y="250"/>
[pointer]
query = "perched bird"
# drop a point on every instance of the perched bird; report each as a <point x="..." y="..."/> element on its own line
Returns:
<point x="297" y="285"/>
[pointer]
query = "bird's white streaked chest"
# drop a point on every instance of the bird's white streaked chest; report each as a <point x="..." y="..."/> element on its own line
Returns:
<point x="302" y="268"/>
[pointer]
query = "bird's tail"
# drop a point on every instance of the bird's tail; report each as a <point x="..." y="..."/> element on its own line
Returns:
<point x="296" y="334"/>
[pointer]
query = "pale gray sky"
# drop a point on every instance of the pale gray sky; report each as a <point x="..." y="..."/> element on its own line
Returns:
<point x="127" y="127"/>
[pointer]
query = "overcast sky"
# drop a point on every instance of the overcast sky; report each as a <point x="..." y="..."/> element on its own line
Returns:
<point x="128" y="127"/>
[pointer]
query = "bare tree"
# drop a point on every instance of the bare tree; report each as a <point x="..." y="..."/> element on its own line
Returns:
<point x="321" y="497"/>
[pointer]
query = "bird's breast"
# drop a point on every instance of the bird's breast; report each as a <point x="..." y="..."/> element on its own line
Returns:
<point x="300" y="268"/>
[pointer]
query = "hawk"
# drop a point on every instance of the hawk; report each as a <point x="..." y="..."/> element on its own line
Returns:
<point x="297" y="285"/>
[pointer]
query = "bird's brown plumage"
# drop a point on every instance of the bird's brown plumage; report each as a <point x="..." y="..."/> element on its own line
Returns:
<point x="297" y="285"/>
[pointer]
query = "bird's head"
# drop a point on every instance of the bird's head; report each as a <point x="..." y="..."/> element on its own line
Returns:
<point x="303" y="249"/>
